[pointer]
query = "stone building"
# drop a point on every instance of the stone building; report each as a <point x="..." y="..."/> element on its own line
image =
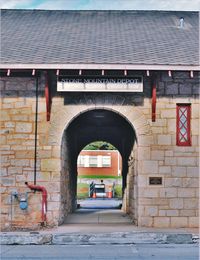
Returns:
<point x="69" y="78"/>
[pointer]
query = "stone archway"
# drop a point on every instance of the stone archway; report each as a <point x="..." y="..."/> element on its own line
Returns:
<point x="61" y="121"/>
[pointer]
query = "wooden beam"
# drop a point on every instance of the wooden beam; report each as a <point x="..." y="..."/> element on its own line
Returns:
<point x="47" y="96"/>
<point x="154" y="99"/>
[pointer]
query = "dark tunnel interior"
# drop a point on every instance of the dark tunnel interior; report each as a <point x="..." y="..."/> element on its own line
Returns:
<point x="91" y="126"/>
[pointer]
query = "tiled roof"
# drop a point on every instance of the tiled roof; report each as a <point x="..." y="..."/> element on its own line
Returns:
<point x="99" y="37"/>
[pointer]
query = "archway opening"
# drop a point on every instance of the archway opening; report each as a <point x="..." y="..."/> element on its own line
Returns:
<point x="99" y="180"/>
<point x="87" y="127"/>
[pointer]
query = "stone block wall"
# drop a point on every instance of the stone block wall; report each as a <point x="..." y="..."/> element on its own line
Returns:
<point x="17" y="154"/>
<point x="175" y="202"/>
<point x="172" y="204"/>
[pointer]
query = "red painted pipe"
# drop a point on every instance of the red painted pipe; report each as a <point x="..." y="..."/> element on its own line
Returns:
<point x="44" y="198"/>
<point x="154" y="100"/>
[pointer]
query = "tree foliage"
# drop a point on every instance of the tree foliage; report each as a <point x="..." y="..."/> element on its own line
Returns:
<point x="99" y="145"/>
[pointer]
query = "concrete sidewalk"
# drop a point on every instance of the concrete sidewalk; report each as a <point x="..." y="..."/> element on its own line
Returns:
<point x="86" y="234"/>
<point x="98" y="216"/>
<point x="96" y="223"/>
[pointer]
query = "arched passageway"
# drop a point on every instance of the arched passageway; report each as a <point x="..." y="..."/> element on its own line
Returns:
<point x="97" y="124"/>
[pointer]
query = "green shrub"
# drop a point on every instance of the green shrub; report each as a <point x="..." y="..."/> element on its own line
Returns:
<point x="118" y="191"/>
<point x="82" y="190"/>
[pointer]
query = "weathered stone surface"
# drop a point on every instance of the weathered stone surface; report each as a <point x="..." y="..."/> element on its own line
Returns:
<point x="195" y="126"/>
<point x="168" y="192"/>
<point x="192" y="171"/>
<point x="191" y="203"/>
<point x="186" y="192"/>
<point x="161" y="222"/>
<point x="191" y="182"/>
<point x="171" y="126"/>
<point x="169" y="153"/>
<point x="149" y="193"/>
<point x="173" y="182"/>
<point x="179" y="239"/>
<point x="23" y="127"/>
<point x="179" y="222"/>
<point x="122" y="238"/>
<point x="168" y="113"/>
<point x="142" y="181"/>
<point x="187" y="213"/>
<point x="8" y="181"/>
<point x="145" y="221"/>
<point x="194" y="222"/>
<point x="157" y="155"/>
<point x="9" y="124"/>
<point x="176" y="203"/>
<point x="100" y="238"/>
<point x="151" y="211"/>
<point x="178" y="171"/>
<point x="20" y="162"/>
<point x="172" y="213"/>
<point x="192" y="161"/>
<point x="150" y="166"/>
<point x="24" y="154"/>
<point x="164" y="169"/>
<point x="170" y="161"/>
<point x="144" y="153"/>
<point x="164" y="140"/>
<point x="50" y="164"/>
<point x="26" y="239"/>
<point x="14" y="170"/>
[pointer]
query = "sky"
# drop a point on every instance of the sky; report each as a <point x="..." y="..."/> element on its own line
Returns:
<point x="183" y="5"/>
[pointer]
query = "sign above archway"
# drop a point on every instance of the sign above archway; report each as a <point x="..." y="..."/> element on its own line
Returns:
<point x="133" y="84"/>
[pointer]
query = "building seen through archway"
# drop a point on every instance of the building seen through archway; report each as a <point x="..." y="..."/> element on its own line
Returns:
<point x="99" y="172"/>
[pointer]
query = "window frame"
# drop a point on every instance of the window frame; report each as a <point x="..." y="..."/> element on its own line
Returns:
<point x="81" y="161"/>
<point x="106" y="165"/>
<point x="188" y="129"/>
<point x="93" y="157"/>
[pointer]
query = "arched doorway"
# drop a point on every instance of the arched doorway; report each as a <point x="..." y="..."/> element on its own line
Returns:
<point x="96" y="124"/>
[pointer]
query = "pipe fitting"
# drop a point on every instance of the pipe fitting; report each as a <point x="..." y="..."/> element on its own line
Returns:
<point x="44" y="198"/>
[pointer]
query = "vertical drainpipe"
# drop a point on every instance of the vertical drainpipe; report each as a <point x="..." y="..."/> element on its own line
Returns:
<point x="36" y="128"/>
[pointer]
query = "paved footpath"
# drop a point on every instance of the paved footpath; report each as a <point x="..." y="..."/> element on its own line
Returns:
<point x="101" y="252"/>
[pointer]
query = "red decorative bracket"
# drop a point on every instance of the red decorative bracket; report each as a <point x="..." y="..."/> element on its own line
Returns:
<point x="48" y="97"/>
<point x="154" y="99"/>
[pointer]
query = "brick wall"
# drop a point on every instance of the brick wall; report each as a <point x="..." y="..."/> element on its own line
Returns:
<point x="102" y="171"/>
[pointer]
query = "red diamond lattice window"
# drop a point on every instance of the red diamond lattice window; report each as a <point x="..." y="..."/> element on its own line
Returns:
<point x="183" y="125"/>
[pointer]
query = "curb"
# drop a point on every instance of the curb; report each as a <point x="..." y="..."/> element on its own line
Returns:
<point x="100" y="238"/>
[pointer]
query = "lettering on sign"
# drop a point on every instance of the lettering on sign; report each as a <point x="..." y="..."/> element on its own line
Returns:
<point x="134" y="84"/>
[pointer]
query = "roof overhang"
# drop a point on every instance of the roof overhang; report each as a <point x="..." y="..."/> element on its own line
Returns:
<point x="91" y="66"/>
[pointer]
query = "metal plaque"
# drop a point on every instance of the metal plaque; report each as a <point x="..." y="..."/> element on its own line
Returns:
<point x="155" y="180"/>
